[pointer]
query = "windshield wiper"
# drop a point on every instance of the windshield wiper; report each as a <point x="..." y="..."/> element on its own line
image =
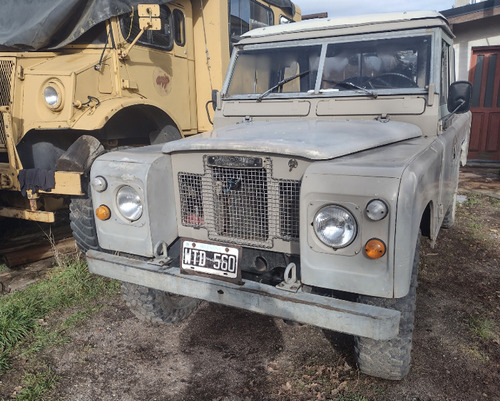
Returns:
<point x="282" y="82"/>
<point x="349" y="84"/>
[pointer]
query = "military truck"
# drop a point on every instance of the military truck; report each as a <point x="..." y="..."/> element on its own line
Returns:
<point x="77" y="78"/>
<point x="336" y="146"/>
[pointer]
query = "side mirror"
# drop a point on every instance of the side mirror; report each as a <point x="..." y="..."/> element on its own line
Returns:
<point x="459" y="97"/>
<point x="216" y="99"/>
<point x="216" y="104"/>
<point x="149" y="17"/>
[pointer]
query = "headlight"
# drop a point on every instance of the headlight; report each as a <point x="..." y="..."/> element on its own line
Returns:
<point x="129" y="203"/>
<point x="335" y="226"/>
<point x="52" y="94"/>
<point x="376" y="210"/>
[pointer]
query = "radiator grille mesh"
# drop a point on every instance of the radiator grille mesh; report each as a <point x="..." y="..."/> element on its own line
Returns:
<point x="6" y="68"/>
<point x="246" y="205"/>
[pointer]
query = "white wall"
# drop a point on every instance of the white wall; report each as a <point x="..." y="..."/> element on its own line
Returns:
<point x="473" y="34"/>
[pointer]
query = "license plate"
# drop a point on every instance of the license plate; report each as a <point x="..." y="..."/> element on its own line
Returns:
<point x="210" y="259"/>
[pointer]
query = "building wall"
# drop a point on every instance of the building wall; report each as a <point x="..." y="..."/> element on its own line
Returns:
<point x="484" y="32"/>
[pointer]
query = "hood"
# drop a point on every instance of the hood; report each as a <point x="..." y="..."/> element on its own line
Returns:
<point x="310" y="139"/>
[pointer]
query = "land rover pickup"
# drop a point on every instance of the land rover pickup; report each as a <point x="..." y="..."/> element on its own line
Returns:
<point x="336" y="146"/>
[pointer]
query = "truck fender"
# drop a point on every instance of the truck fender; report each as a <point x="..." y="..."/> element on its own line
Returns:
<point x="419" y="189"/>
<point x="96" y="118"/>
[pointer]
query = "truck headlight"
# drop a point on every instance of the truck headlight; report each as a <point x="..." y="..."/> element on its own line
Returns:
<point x="53" y="94"/>
<point x="335" y="226"/>
<point x="129" y="203"/>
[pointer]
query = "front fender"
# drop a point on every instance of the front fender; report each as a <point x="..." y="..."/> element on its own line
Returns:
<point x="420" y="186"/>
<point x="96" y="118"/>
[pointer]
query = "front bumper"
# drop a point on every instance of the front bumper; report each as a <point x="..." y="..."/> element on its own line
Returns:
<point x="325" y="312"/>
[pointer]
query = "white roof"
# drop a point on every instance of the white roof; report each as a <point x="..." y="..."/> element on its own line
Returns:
<point x="344" y="22"/>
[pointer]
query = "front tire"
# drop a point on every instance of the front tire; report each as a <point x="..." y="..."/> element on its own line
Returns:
<point x="157" y="306"/>
<point x="82" y="223"/>
<point x="390" y="359"/>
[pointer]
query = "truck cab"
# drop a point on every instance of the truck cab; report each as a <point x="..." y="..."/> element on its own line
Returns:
<point x="80" y="79"/>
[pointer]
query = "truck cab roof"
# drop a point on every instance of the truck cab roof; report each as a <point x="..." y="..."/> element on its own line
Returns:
<point x="349" y="25"/>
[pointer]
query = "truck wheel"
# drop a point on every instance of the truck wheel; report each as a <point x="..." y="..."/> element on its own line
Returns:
<point x="390" y="359"/>
<point x="449" y="217"/>
<point x="157" y="306"/>
<point x="82" y="223"/>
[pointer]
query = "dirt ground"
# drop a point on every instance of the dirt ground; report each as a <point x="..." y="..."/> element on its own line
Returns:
<point x="225" y="354"/>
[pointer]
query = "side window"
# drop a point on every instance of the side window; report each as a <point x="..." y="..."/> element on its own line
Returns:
<point x="247" y="15"/>
<point x="179" y="28"/>
<point x="162" y="39"/>
<point x="445" y="71"/>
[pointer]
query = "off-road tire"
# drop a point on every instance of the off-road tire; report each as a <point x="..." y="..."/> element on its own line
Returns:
<point x="82" y="223"/>
<point x="390" y="359"/>
<point x="157" y="306"/>
<point x="449" y="217"/>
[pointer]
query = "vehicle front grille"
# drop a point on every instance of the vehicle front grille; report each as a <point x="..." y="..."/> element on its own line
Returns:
<point x="6" y="70"/>
<point x="238" y="201"/>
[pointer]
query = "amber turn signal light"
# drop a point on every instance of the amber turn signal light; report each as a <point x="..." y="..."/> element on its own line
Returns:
<point x="103" y="212"/>
<point x="375" y="248"/>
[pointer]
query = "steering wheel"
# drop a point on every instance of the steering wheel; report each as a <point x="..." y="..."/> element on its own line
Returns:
<point x="386" y="83"/>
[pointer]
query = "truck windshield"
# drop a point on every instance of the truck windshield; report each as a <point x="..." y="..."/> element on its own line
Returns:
<point x="348" y="68"/>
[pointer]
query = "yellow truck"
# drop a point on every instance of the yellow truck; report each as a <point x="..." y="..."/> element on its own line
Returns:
<point x="79" y="78"/>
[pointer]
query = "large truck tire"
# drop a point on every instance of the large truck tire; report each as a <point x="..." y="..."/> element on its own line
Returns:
<point x="157" y="306"/>
<point x="390" y="359"/>
<point x="82" y="223"/>
<point x="449" y="217"/>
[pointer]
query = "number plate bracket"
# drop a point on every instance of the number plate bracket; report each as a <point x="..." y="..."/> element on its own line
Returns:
<point x="207" y="259"/>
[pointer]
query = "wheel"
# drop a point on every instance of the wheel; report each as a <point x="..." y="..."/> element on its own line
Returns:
<point x="157" y="306"/>
<point x="449" y="217"/>
<point x="82" y="223"/>
<point x="168" y="133"/>
<point x="390" y="359"/>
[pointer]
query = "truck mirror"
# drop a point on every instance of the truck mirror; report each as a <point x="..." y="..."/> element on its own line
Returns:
<point x="459" y="97"/>
<point x="215" y="99"/>
<point x="149" y="17"/>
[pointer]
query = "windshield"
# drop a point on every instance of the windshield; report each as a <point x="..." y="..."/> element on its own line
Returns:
<point x="348" y="68"/>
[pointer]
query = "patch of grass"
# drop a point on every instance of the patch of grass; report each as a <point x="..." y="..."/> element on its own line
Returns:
<point x="43" y="337"/>
<point x="484" y="328"/>
<point x="472" y="199"/>
<point x="351" y="397"/>
<point x="35" y="385"/>
<point x="475" y="353"/>
<point x="22" y="311"/>
<point x="475" y="226"/>
<point x="3" y="268"/>
<point x="80" y="316"/>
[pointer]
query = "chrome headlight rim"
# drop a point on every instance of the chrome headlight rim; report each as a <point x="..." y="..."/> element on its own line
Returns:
<point x="129" y="203"/>
<point x="53" y="95"/>
<point x="335" y="226"/>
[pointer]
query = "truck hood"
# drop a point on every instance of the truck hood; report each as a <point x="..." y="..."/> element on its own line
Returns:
<point x="310" y="139"/>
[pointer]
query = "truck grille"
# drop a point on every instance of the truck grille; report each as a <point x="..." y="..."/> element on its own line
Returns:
<point x="238" y="201"/>
<point x="6" y="70"/>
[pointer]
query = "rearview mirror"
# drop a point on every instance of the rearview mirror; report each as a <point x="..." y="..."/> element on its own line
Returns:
<point x="216" y="99"/>
<point x="149" y="17"/>
<point x="459" y="97"/>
